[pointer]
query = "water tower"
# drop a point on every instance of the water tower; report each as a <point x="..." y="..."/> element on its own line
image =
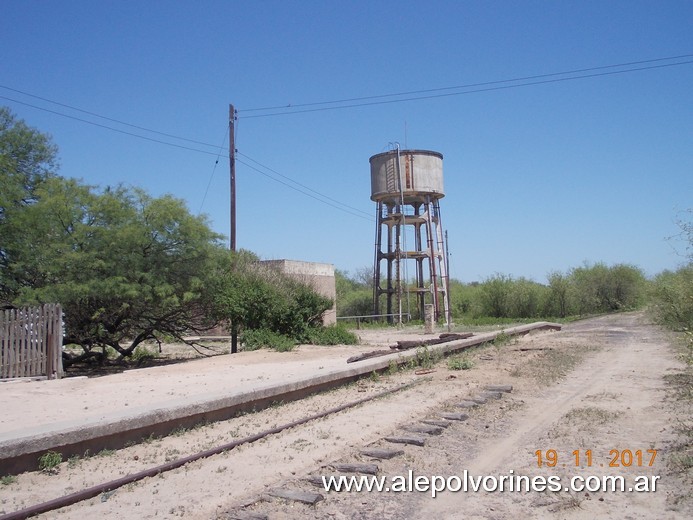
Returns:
<point x="407" y="186"/>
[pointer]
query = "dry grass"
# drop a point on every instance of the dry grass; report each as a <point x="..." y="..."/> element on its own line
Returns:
<point x="552" y="365"/>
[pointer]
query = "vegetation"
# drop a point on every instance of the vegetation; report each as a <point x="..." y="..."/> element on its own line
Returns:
<point x="672" y="294"/>
<point x="127" y="267"/>
<point x="354" y="294"/>
<point x="49" y="461"/>
<point x="7" y="480"/>
<point x="255" y="339"/>
<point x="589" y="289"/>
<point x="460" y="363"/>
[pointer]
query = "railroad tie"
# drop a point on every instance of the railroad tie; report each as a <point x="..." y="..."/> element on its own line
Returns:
<point x="434" y="422"/>
<point x="455" y="416"/>
<point x="423" y="428"/>
<point x="413" y="441"/>
<point x="246" y="515"/>
<point x="500" y="388"/>
<point x="368" y="469"/>
<point x="305" y="497"/>
<point x="488" y="394"/>
<point x="378" y="453"/>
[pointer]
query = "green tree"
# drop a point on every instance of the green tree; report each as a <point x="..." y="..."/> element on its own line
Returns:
<point x="125" y="267"/>
<point x="526" y="298"/>
<point x="355" y="294"/>
<point x="495" y="296"/>
<point x="27" y="160"/>
<point x="559" y="295"/>
<point x="600" y="288"/>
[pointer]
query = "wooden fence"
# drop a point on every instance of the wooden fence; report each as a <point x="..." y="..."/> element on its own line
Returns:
<point x="31" y="342"/>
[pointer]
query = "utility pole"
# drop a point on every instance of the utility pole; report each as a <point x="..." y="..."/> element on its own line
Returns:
<point x="232" y="238"/>
<point x="232" y="167"/>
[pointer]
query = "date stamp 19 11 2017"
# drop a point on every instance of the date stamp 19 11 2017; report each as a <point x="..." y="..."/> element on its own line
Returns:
<point x="616" y="458"/>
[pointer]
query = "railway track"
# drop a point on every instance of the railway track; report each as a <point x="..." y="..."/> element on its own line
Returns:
<point x="389" y="403"/>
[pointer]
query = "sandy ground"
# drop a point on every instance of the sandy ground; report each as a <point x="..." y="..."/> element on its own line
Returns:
<point x="597" y="385"/>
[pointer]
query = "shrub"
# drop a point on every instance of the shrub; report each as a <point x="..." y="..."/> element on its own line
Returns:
<point x="142" y="353"/>
<point x="255" y="339"/>
<point x="331" y="335"/>
<point x="672" y="299"/>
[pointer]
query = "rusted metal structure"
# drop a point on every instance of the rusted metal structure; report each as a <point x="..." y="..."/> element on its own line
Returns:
<point x="407" y="186"/>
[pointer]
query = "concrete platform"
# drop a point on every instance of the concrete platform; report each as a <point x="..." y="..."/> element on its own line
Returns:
<point x="73" y="415"/>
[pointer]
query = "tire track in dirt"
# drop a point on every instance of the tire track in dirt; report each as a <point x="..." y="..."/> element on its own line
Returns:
<point x="612" y="401"/>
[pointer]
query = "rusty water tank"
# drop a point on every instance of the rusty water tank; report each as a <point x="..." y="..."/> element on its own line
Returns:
<point x="418" y="174"/>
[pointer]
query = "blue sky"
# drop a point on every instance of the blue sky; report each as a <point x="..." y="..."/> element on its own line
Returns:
<point x="538" y="177"/>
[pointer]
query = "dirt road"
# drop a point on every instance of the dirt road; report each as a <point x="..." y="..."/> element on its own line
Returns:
<point x="597" y="385"/>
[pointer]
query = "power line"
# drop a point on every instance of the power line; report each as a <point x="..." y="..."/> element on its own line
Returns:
<point x="81" y="120"/>
<point x="308" y="194"/>
<point x="367" y="215"/>
<point x="289" y="109"/>
<point x="334" y="203"/>
<point x="353" y="102"/>
<point x="214" y="169"/>
<point x="100" y="116"/>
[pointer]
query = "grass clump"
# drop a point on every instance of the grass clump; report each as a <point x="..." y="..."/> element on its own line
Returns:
<point x="7" y="480"/>
<point x="142" y="353"/>
<point x="49" y="462"/>
<point x="460" y="363"/>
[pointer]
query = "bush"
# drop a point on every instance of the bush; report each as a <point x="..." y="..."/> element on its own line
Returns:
<point x="332" y="335"/>
<point x="142" y="353"/>
<point x="495" y="296"/>
<point x="255" y="339"/>
<point x="672" y="299"/>
<point x="599" y="288"/>
<point x="254" y="296"/>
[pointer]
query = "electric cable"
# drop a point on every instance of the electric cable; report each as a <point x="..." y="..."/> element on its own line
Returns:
<point x="438" y="89"/>
<point x="450" y="94"/>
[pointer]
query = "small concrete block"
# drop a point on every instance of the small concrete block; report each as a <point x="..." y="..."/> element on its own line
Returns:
<point x="478" y="399"/>
<point x="467" y="404"/>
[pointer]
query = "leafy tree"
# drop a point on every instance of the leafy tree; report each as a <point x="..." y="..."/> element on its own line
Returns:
<point x="558" y="302"/>
<point x="354" y="294"/>
<point x="526" y="298"/>
<point x="125" y="267"/>
<point x="599" y="288"/>
<point x="495" y="296"/>
<point x="27" y="160"/>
